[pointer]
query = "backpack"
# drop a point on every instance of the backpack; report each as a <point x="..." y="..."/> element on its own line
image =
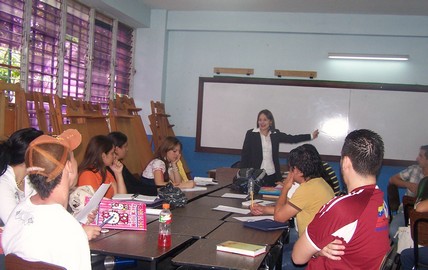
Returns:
<point x="245" y="176"/>
<point x="173" y="195"/>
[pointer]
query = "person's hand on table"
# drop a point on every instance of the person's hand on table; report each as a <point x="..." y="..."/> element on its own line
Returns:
<point x="257" y="209"/>
<point x="92" y="231"/>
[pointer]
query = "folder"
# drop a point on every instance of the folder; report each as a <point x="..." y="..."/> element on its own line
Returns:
<point x="266" y="225"/>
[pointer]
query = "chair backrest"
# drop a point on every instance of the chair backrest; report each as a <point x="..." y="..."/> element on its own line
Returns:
<point x="14" y="262"/>
<point x="393" y="197"/>
<point x="422" y="226"/>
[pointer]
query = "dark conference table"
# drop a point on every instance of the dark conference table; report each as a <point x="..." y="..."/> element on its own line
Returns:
<point x="196" y="230"/>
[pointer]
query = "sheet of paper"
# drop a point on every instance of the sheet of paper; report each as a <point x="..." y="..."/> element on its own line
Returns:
<point x="151" y="211"/>
<point x="233" y="195"/>
<point x="203" y="179"/>
<point x="232" y="209"/>
<point x="253" y="218"/>
<point x="193" y="189"/>
<point x="93" y="203"/>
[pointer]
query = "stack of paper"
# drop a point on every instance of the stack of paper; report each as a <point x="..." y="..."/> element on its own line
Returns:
<point x="241" y="248"/>
<point x="234" y="195"/>
<point x="204" y="181"/>
<point x="135" y="197"/>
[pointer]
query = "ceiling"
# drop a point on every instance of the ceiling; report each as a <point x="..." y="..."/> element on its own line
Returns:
<point x="387" y="7"/>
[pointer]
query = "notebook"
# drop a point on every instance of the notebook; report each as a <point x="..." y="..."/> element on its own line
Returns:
<point x="266" y="225"/>
<point x="241" y="248"/>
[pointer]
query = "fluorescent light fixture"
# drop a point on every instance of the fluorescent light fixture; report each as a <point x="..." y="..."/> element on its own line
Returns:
<point x="357" y="56"/>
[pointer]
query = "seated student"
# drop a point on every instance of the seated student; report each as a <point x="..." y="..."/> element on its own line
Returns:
<point x="14" y="182"/>
<point x="14" y="185"/>
<point x="163" y="168"/>
<point x="407" y="256"/>
<point x="133" y="185"/>
<point x="40" y="228"/>
<point x="409" y="178"/>
<point x="358" y="219"/>
<point x="305" y="168"/>
<point x="93" y="171"/>
<point x="327" y="173"/>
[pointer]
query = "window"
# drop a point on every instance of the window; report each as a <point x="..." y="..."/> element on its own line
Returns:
<point x="44" y="46"/>
<point x="123" y="68"/>
<point x="101" y="75"/>
<point x="76" y="50"/>
<point x="11" y="21"/>
<point x="31" y="51"/>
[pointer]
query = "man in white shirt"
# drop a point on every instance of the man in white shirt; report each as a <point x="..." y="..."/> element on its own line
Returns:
<point x="409" y="178"/>
<point x="40" y="228"/>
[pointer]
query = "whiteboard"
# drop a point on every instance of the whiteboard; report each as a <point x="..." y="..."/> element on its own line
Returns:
<point x="228" y="107"/>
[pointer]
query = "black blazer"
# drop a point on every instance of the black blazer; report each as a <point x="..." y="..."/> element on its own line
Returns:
<point x="252" y="153"/>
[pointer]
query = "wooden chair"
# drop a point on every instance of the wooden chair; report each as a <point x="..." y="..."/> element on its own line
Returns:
<point x="14" y="262"/>
<point x="38" y="108"/>
<point x="393" y="199"/>
<point x="419" y="232"/>
<point x="13" y="109"/>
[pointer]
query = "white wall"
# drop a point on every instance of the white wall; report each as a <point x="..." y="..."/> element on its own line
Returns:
<point x="149" y="64"/>
<point x="196" y="42"/>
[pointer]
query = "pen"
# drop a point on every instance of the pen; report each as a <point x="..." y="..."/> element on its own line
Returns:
<point x="106" y="220"/>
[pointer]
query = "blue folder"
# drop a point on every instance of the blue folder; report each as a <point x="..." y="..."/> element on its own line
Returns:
<point x="266" y="225"/>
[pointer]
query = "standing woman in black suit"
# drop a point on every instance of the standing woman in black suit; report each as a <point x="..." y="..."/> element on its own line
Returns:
<point x="261" y="146"/>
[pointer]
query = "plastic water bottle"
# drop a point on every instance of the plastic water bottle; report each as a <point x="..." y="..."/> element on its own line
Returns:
<point x="250" y="186"/>
<point x="165" y="218"/>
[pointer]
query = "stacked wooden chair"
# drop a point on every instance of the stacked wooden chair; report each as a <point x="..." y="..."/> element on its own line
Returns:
<point x="13" y="109"/>
<point x="53" y="114"/>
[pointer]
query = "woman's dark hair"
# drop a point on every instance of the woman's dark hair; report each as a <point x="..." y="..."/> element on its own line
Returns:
<point x="268" y="115"/>
<point x="118" y="138"/>
<point x="93" y="160"/>
<point x="168" y="144"/>
<point x="12" y="151"/>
